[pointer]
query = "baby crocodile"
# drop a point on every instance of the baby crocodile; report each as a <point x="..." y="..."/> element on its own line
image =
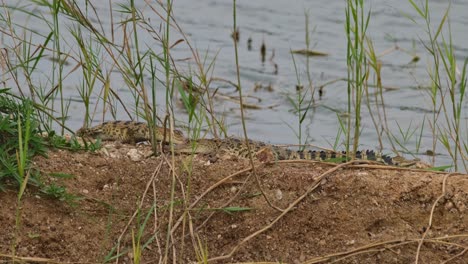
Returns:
<point x="238" y="147"/>
<point x="133" y="132"/>
<point x="128" y="132"/>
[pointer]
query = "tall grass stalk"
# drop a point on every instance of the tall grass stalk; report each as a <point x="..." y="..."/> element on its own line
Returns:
<point x="297" y="103"/>
<point x="138" y="73"/>
<point x="194" y="103"/>
<point x="307" y="41"/>
<point x="137" y="247"/>
<point x="379" y="125"/>
<point x="356" y="27"/>
<point x="300" y="96"/>
<point x="169" y="111"/>
<point x="22" y="152"/>
<point x="241" y="105"/>
<point x="152" y="70"/>
<point x="443" y="85"/>
<point x="57" y="56"/>
<point x="194" y="128"/>
<point x="201" y="251"/>
<point x="90" y="70"/>
<point x="456" y="95"/>
<point x="204" y="75"/>
<point x="239" y="86"/>
<point x="22" y="156"/>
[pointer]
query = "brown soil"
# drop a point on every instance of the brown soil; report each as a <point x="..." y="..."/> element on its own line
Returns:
<point x="352" y="215"/>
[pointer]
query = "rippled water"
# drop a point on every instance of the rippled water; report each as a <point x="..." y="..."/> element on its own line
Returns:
<point x="281" y="26"/>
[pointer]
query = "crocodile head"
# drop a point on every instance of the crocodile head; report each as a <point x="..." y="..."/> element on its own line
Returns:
<point x="129" y="132"/>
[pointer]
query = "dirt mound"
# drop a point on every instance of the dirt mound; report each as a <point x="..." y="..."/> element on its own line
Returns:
<point x="354" y="214"/>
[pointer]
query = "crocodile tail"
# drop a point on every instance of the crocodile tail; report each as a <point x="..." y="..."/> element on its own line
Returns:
<point x="387" y="160"/>
<point x="335" y="156"/>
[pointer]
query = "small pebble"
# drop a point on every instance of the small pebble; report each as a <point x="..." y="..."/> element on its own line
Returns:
<point x="448" y="205"/>
<point x="278" y="194"/>
<point x="134" y="155"/>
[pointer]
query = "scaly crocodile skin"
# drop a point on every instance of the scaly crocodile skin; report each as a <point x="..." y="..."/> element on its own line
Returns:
<point x="133" y="132"/>
<point x="128" y="132"/>
<point x="238" y="147"/>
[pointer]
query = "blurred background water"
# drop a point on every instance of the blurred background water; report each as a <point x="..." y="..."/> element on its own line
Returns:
<point x="280" y="25"/>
